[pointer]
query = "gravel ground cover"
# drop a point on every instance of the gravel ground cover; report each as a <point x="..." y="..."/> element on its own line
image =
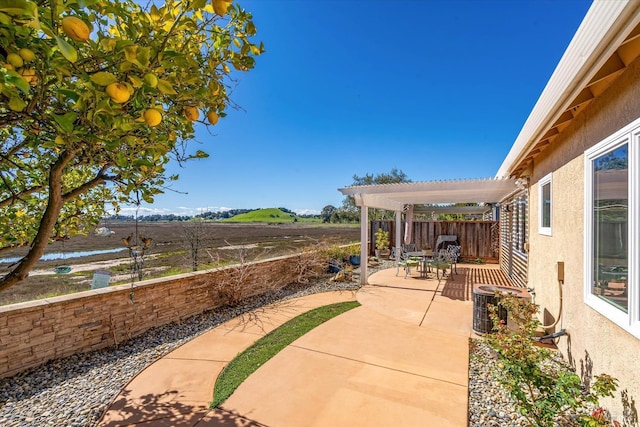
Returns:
<point x="489" y="404"/>
<point x="76" y="390"/>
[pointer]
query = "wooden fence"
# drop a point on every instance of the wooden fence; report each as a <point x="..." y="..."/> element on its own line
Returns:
<point x="478" y="239"/>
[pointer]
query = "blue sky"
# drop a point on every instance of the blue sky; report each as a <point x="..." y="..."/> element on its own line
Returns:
<point x="436" y="88"/>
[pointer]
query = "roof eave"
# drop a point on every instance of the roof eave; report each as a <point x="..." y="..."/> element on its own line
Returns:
<point x="601" y="31"/>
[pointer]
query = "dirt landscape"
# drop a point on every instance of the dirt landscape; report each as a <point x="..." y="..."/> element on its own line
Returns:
<point x="168" y="252"/>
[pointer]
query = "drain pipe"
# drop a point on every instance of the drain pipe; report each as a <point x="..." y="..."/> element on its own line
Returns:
<point x="552" y="336"/>
<point x="560" y="282"/>
<point x="560" y="276"/>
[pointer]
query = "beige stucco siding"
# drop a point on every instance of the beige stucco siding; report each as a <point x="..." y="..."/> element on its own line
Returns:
<point x="595" y="344"/>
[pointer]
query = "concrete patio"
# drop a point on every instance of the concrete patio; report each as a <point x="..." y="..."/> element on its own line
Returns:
<point x="399" y="359"/>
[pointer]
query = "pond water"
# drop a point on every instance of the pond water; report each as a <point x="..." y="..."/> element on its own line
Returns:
<point x="59" y="255"/>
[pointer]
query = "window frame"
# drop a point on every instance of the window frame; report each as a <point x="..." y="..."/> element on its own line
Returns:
<point x="630" y="135"/>
<point x="546" y="180"/>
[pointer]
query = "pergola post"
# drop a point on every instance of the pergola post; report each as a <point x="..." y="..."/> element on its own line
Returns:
<point x="398" y="242"/>
<point x="364" y="240"/>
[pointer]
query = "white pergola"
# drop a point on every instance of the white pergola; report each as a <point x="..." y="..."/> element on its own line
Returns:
<point x="395" y="197"/>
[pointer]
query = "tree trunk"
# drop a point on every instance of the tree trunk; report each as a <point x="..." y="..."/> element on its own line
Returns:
<point x="47" y="223"/>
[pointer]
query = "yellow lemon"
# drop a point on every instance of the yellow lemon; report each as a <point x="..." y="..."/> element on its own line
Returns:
<point x="29" y="75"/>
<point x="75" y="28"/>
<point x="27" y="54"/>
<point x="15" y="60"/>
<point x="191" y="113"/>
<point x="118" y="92"/>
<point x="152" y="117"/>
<point x="220" y="6"/>
<point x="151" y="80"/>
<point x="213" y="117"/>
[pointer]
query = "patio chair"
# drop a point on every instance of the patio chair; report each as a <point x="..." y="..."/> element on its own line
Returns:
<point x="406" y="262"/>
<point x="440" y="262"/>
<point x="446" y="258"/>
<point x="452" y="253"/>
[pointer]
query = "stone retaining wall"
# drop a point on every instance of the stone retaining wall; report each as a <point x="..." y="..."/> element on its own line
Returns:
<point x="34" y="332"/>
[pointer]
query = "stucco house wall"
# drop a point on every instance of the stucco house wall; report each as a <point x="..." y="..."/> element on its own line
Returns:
<point x="594" y="344"/>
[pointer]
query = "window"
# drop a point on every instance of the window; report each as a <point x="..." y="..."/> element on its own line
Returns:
<point x="612" y="218"/>
<point x="544" y="216"/>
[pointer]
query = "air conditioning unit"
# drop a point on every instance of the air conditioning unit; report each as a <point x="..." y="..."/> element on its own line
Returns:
<point x="484" y="295"/>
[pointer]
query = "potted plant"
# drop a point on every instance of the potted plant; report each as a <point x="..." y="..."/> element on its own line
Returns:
<point x="382" y="243"/>
<point x="336" y="256"/>
<point x="354" y="255"/>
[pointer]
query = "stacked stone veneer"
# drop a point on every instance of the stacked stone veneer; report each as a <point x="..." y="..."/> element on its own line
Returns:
<point x="34" y="332"/>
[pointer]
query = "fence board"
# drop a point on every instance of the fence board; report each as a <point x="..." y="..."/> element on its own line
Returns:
<point x="475" y="237"/>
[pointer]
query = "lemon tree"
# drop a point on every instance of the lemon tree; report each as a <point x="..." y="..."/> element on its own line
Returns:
<point x="96" y="97"/>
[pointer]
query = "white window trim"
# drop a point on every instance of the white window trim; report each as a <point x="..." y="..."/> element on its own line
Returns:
<point x="629" y="321"/>
<point x="544" y="181"/>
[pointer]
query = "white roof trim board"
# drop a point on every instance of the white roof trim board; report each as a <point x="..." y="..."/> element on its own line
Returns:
<point x="396" y="196"/>
<point x="600" y="33"/>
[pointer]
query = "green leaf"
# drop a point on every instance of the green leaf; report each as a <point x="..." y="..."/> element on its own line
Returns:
<point x="102" y="78"/>
<point x="136" y="81"/>
<point x="15" y="79"/>
<point x="86" y="3"/>
<point x="5" y="19"/>
<point x="144" y="53"/>
<point x="250" y="28"/>
<point x="66" y="121"/>
<point x="17" y="104"/>
<point x="18" y="7"/>
<point x="63" y="70"/>
<point x="68" y="51"/>
<point x="131" y="54"/>
<point x="199" y="155"/>
<point x="142" y="162"/>
<point x="166" y="87"/>
<point x="155" y="13"/>
<point x="108" y="44"/>
<point x="69" y="94"/>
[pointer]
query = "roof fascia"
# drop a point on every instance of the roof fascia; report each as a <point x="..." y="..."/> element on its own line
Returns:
<point x="602" y="30"/>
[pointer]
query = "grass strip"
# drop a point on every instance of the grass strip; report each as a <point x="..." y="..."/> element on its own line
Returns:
<point x="247" y="362"/>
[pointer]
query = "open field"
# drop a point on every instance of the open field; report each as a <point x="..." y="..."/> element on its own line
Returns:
<point x="168" y="253"/>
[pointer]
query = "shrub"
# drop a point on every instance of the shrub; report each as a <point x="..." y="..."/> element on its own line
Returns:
<point x="542" y="386"/>
<point x="382" y="239"/>
<point x="335" y="252"/>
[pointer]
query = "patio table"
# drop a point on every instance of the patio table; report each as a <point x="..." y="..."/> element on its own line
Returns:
<point x="425" y="257"/>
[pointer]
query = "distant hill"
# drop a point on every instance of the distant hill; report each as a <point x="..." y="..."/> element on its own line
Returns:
<point x="273" y="215"/>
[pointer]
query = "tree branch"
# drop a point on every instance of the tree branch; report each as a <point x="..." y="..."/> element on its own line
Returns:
<point x="100" y="178"/>
<point x="47" y="223"/>
<point x="17" y="196"/>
